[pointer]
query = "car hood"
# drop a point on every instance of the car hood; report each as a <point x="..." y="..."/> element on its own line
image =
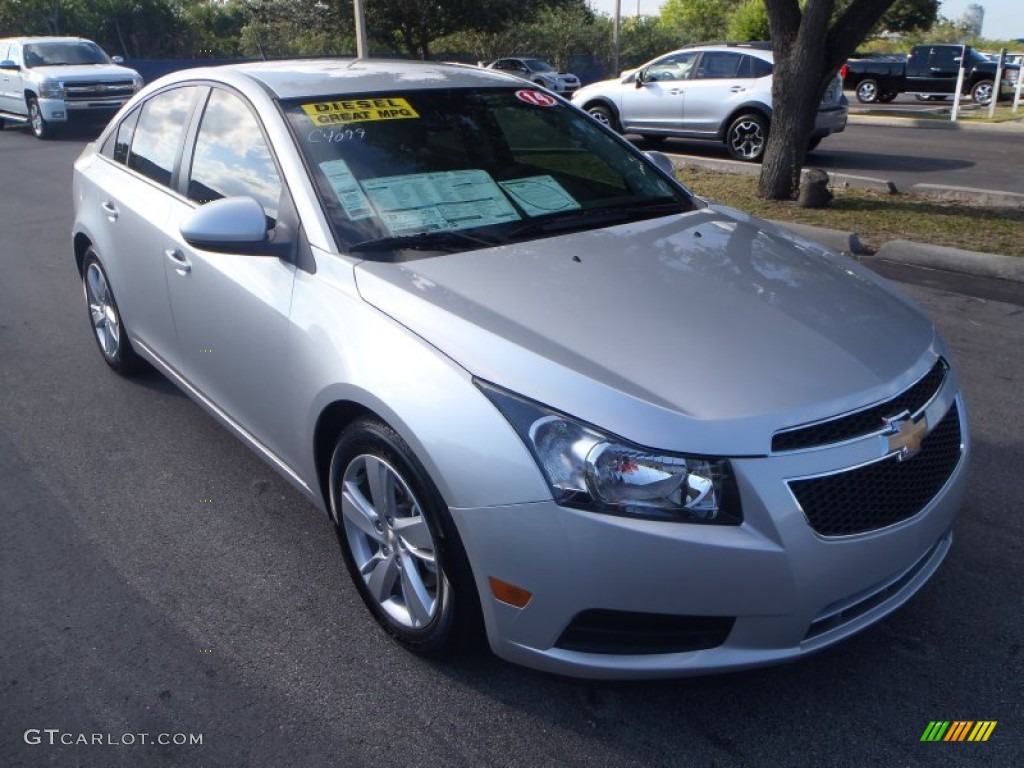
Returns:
<point x="668" y="324"/>
<point x="85" y="72"/>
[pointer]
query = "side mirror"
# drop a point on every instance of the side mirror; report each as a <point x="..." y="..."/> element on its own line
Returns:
<point x="662" y="162"/>
<point x="640" y="76"/>
<point x="8" y="64"/>
<point x="117" y="59"/>
<point x="228" y="225"/>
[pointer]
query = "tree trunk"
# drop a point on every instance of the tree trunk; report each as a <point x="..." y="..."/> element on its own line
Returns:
<point x="809" y="45"/>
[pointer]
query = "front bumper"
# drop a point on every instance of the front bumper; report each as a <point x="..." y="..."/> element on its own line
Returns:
<point x="789" y="590"/>
<point x="61" y="110"/>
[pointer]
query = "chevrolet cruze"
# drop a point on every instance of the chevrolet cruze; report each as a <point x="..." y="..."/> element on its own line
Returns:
<point x="547" y="396"/>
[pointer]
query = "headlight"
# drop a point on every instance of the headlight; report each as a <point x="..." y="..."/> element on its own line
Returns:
<point x="137" y="83"/>
<point x="51" y="89"/>
<point x="590" y="469"/>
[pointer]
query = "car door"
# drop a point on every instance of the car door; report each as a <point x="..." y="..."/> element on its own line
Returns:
<point x="231" y="311"/>
<point x="12" y="97"/>
<point x="657" y="100"/>
<point x="132" y="193"/>
<point x="721" y="81"/>
<point x="940" y="74"/>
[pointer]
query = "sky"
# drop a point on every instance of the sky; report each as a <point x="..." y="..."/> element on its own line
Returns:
<point x="1003" y="18"/>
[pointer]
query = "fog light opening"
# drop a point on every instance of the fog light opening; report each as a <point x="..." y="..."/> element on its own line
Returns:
<point x="509" y="594"/>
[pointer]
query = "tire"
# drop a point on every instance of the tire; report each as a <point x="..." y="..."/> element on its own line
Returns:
<point x="813" y="143"/>
<point x="653" y="140"/>
<point x="981" y="92"/>
<point x="40" y="127"/>
<point x="888" y="96"/>
<point x="605" y="116"/>
<point x="867" y="91"/>
<point x="401" y="550"/>
<point x="747" y="137"/>
<point x="108" y="329"/>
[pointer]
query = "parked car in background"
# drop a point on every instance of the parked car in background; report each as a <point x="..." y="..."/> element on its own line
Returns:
<point x="542" y="390"/>
<point x="929" y="70"/>
<point x="537" y="71"/>
<point x="51" y="81"/>
<point x="717" y="92"/>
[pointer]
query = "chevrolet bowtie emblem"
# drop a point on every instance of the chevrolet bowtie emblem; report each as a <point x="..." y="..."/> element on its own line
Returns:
<point x="905" y="435"/>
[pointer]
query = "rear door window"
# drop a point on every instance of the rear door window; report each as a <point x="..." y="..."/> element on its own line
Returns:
<point x="157" y="139"/>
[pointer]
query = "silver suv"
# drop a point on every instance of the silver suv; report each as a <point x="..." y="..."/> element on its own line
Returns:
<point x="49" y="81"/>
<point x="538" y="71"/>
<point x="718" y="92"/>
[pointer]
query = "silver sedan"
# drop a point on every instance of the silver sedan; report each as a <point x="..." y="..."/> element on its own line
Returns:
<point x="548" y="397"/>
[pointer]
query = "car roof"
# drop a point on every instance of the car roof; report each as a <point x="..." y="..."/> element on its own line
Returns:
<point x="27" y="40"/>
<point x="294" y="78"/>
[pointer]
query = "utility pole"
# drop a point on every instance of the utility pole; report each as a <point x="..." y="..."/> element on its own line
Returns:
<point x="362" y="50"/>
<point x="615" y="38"/>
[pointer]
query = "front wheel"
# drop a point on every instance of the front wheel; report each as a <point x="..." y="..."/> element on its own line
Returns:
<point x="982" y="92"/>
<point x="747" y="137"/>
<point x="108" y="329"/>
<point x="399" y="542"/>
<point x="40" y="127"/>
<point x="605" y="116"/>
<point x="867" y="91"/>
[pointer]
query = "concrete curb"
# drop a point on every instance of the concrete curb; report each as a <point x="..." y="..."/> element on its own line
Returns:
<point x="844" y="242"/>
<point x="953" y="260"/>
<point x="1016" y="125"/>
<point x="970" y="194"/>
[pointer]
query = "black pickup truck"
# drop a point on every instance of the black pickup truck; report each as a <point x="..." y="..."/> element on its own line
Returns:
<point x="930" y="70"/>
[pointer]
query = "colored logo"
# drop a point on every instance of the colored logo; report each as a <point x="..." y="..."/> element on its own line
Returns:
<point x="905" y="435"/>
<point x="958" y="730"/>
<point x="537" y="98"/>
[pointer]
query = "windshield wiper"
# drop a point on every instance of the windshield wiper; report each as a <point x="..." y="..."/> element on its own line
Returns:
<point x="449" y="240"/>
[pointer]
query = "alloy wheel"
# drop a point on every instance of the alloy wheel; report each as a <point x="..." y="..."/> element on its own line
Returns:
<point x="390" y="542"/>
<point x="746" y="139"/>
<point x="105" y="322"/>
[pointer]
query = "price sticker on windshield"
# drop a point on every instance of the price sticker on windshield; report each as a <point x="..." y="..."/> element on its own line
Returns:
<point x="537" y="98"/>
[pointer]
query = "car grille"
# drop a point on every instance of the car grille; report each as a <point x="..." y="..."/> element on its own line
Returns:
<point x="91" y="91"/>
<point x="885" y="492"/>
<point x="866" y="422"/>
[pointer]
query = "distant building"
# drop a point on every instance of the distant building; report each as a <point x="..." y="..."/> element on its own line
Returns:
<point x="973" y="19"/>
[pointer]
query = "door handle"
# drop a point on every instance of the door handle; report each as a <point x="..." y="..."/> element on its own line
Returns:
<point x="110" y="209"/>
<point x="180" y="261"/>
<point x="675" y="91"/>
<point x="737" y="89"/>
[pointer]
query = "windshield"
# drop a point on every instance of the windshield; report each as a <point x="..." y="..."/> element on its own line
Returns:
<point x="57" y="54"/>
<point x="538" y="65"/>
<point x="495" y="165"/>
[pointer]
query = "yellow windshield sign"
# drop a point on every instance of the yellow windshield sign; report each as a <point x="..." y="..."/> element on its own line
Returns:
<point x="358" y="110"/>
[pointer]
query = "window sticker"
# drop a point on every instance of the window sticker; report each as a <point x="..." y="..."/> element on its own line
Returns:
<point x="438" y="202"/>
<point x="539" y="195"/>
<point x="324" y="113"/>
<point x="347" y="190"/>
<point x="535" y="98"/>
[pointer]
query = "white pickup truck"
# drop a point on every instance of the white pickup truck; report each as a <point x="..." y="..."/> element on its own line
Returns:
<point x="50" y="81"/>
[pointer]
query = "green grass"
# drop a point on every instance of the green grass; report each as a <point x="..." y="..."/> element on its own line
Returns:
<point x="875" y="217"/>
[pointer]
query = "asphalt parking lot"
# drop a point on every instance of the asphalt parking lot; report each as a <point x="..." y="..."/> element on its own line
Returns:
<point x="129" y="605"/>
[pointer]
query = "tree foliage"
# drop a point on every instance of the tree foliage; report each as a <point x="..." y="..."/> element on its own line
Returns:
<point x="694" y="21"/>
<point x="749" y="21"/>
